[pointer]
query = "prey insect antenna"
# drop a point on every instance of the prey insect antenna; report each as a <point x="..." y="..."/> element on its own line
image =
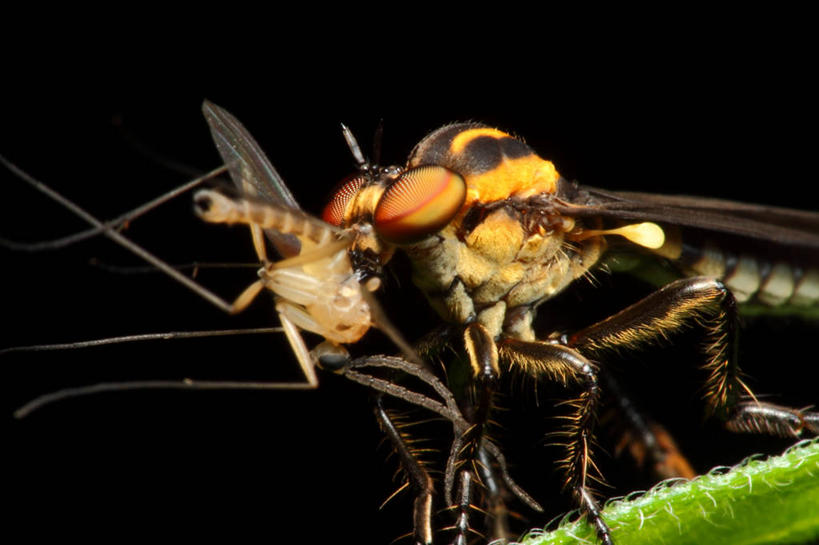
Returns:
<point x="114" y="223"/>
<point x="117" y="237"/>
<point x="194" y="267"/>
<point x="138" y="338"/>
<point x="183" y="384"/>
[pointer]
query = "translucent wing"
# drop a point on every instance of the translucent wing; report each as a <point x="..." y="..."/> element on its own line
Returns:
<point x="781" y="226"/>
<point x="250" y="170"/>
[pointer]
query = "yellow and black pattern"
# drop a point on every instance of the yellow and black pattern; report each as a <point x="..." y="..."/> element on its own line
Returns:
<point x="508" y="248"/>
<point x="501" y="233"/>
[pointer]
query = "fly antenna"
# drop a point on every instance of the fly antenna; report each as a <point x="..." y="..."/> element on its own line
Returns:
<point x="355" y="149"/>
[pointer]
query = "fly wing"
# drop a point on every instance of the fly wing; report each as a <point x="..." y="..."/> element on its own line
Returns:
<point x="251" y="171"/>
<point x="792" y="228"/>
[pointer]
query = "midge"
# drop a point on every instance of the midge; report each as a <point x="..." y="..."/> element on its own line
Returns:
<point x="315" y="287"/>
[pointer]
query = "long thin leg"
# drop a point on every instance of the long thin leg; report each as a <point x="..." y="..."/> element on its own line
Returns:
<point x="564" y="364"/>
<point x="683" y="303"/>
<point x="418" y="477"/>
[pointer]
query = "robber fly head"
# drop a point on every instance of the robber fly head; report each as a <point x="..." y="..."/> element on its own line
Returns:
<point x="385" y="206"/>
<point x="432" y="196"/>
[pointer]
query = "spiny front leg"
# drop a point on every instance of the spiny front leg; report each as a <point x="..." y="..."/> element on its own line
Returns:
<point x="419" y="479"/>
<point x="468" y="459"/>
<point x="689" y="302"/>
<point x="566" y="365"/>
<point x="462" y="526"/>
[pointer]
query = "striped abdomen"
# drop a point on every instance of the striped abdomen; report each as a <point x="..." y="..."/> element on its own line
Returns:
<point x="751" y="278"/>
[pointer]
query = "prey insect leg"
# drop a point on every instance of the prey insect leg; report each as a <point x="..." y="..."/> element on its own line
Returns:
<point x="107" y="229"/>
<point x="683" y="303"/>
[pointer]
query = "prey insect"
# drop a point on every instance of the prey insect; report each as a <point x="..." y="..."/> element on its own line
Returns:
<point x="316" y="290"/>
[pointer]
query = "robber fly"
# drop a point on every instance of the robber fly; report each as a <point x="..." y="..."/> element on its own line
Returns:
<point x="493" y="233"/>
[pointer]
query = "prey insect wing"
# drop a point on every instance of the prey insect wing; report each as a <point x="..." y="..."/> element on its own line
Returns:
<point x="319" y="256"/>
<point x="282" y="209"/>
<point x="250" y="169"/>
<point x="310" y="286"/>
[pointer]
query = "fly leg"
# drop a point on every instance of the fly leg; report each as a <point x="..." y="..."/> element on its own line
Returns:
<point x="497" y="485"/>
<point x="470" y="448"/>
<point x="464" y="506"/>
<point x="419" y="479"/>
<point x="463" y="463"/>
<point x="471" y="451"/>
<point x="684" y="303"/>
<point x="476" y="464"/>
<point x="474" y="461"/>
<point x="759" y="417"/>
<point x="567" y="365"/>
<point x="645" y="439"/>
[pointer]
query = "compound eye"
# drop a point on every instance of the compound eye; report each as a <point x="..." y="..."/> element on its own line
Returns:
<point x="334" y="211"/>
<point x="420" y="202"/>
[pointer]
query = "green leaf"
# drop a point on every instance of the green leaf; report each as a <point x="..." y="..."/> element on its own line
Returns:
<point x="773" y="501"/>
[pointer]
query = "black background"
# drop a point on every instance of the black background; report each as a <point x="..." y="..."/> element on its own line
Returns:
<point x="734" y="120"/>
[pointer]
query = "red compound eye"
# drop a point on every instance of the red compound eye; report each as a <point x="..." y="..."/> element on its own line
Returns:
<point x="421" y="202"/>
<point x="334" y="211"/>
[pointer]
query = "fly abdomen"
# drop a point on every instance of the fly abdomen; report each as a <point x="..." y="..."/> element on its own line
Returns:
<point x="753" y="279"/>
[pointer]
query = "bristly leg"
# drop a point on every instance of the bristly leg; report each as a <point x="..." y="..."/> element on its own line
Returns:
<point x="490" y="463"/>
<point x="417" y="475"/>
<point x="468" y="459"/>
<point x="483" y="359"/>
<point x="462" y="526"/>
<point x="771" y="419"/>
<point x="566" y="365"/>
<point x="681" y="304"/>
